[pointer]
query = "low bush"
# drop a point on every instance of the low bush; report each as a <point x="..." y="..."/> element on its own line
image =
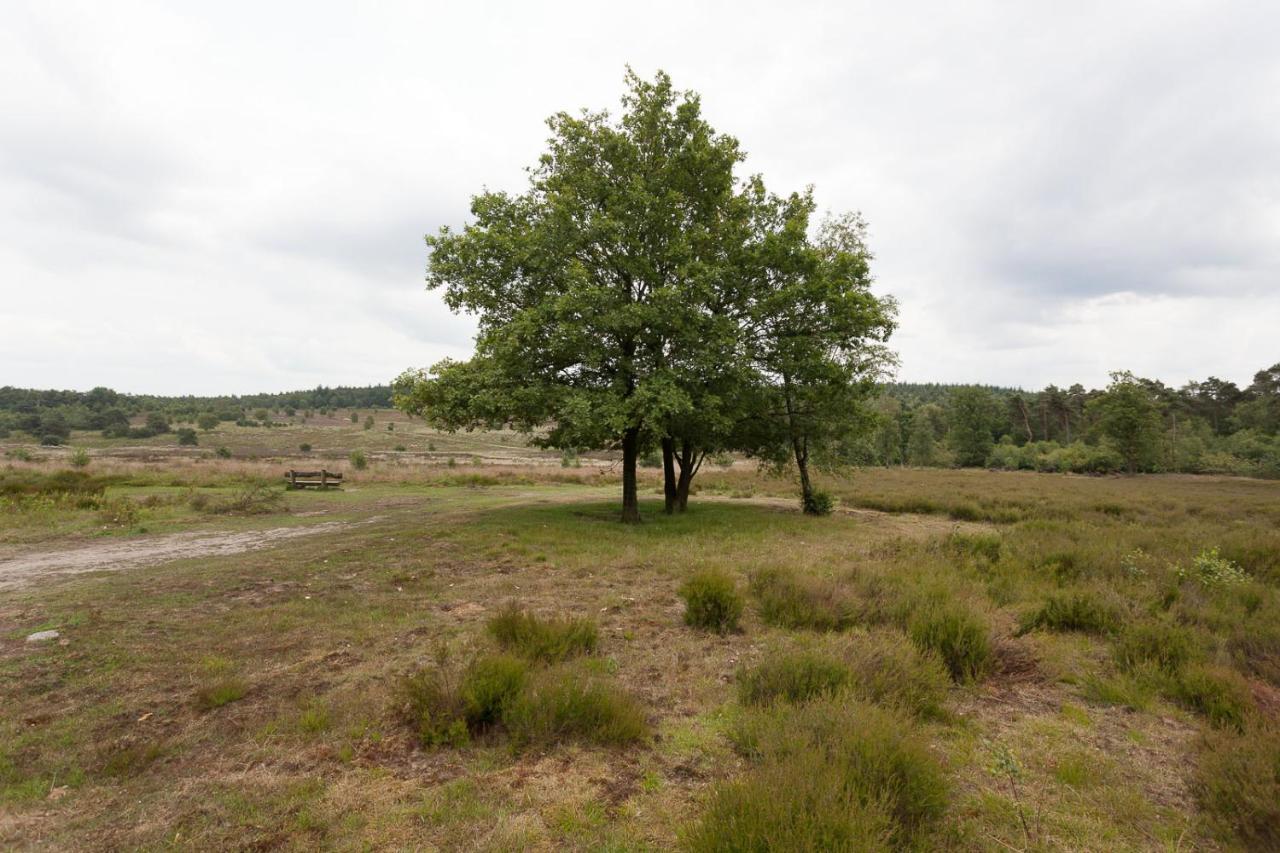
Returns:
<point x="889" y="670"/>
<point x="304" y="447"/>
<point x="1237" y="784"/>
<point x="957" y="635"/>
<point x="982" y="546"/>
<point x="792" y="677"/>
<point x="222" y="453"/>
<point x="802" y="804"/>
<point x="562" y="705"/>
<point x="222" y="692"/>
<point x="543" y="640"/>
<point x="358" y="460"/>
<point x="118" y="512"/>
<point x="1079" y="611"/>
<point x="818" y="503"/>
<point x="831" y="774"/>
<point x="1221" y="695"/>
<point x="79" y="458"/>
<point x="187" y="437"/>
<point x="432" y="703"/>
<point x="711" y="601"/>
<point x="790" y="601"/>
<point x="1167" y="647"/>
<point x="489" y="686"/>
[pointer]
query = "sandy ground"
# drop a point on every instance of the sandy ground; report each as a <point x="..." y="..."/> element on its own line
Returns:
<point x="113" y="555"/>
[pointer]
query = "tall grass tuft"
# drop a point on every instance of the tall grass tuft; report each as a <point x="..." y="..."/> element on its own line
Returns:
<point x="788" y="600"/>
<point x="957" y="635"/>
<point x="563" y="705"/>
<point x="711" y="601"/>
<point x="792" y="677"/>
<point x="1237" y="785"/>
<point x="542" y="640"/>
<point x="1078" y="611"/>
<point x="833" y="774"/>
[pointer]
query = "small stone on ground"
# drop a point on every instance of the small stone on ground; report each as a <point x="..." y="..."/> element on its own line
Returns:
<point x="41" y="636"/>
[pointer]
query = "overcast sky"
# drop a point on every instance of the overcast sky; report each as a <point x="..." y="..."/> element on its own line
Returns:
<point x="231" y="197"/>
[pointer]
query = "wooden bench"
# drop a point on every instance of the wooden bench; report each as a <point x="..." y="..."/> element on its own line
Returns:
<point x="313" y="479"/>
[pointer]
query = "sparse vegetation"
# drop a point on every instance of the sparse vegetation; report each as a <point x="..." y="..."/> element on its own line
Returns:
<point x="789" y="600"/>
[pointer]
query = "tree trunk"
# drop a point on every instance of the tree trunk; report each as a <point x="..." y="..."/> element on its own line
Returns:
<point x="669" y="490"/>
<point x="690" y="461"/>
<point x="806" y="485"/>
<point x="630" y="501"/>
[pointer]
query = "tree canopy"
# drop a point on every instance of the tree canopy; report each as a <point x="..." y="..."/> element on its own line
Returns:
<point x="639" y="294"/>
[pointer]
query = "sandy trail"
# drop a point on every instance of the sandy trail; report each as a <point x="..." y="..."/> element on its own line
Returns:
<point x="21" y="569"/>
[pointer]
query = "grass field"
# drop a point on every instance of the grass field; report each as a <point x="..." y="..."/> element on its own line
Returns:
<point x="480" y="657"/>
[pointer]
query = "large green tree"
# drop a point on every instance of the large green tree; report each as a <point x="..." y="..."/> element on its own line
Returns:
<point x="972" y="415"/>
<point x="599" y="289"/>
<point x="1128" y="414"/>
<point x="816" y="335"/>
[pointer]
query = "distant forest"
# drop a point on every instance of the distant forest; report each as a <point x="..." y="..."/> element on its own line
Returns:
<point x="1135" y="424"/>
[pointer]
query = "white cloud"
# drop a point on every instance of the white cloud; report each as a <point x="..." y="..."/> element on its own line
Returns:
<point x="232" y="197"/>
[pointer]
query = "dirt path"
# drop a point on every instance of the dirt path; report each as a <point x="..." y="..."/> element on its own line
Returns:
<point x="22" y="569"/>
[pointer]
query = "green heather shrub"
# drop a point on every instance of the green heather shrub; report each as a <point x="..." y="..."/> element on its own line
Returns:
<point x="889" y="670"/>
<point x="187" y="437"/>
<point x="222" y="453"/>
<point x="79" y="458"/>
<point x="787" y="600"/>
<point x="1167" y="647"/>
<point x="957" y="635"/>
<point x="1077" y="611"/>
<point x="711" y="601"/>
<point x="818" y="503"/>
<point x="982" y="546"/>
<point x="304" y="447"/>
<point x="489" y="686"/>
<point x="1222" y="695"/>
<point x="803" y="803"/>
<point x="358" y="460"/>
<point x="562" y="705"/>
<point x="793" y="677"/>
<point x="828" y="775"/>
<point x="542" y="640"/>
<point x="431" y="702"/>
<point x="1237" y="784"/>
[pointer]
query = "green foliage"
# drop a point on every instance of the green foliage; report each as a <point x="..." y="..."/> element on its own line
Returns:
<point x="207" y="421"/>
<point x="222" y="453"/>
<point x="543" y="640"/>
<point x="187" y="437"/>
<point x="1167" y="647"/>
<point x="793" y="677"/>
<point x="1127" y="414"/>
<point x="563" y="705"/>
<point x="304" y="447"/>
<point x="489" y="687"/>
<point x="788" y="600"/>
<point x="1220" y="694"/>
<point x="817" y="502"/>
<point x="1237" y="785"/>
<point x="79" y="458"/>
<point x="432" y="703"/>
<point x="972" y="416"/>
<point x="358" y="460"/>
<point x="956" y="634"/>
<point x="1078" y="611"/>
<point x="711" y="601"/>
<point x="890" y="671"/>
<point x="1212" y="570"/>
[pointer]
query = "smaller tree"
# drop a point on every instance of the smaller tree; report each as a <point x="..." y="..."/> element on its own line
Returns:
<point x="207" y="421"/>
<point x="972" y="416"/>
<point x="1128" y="415"/>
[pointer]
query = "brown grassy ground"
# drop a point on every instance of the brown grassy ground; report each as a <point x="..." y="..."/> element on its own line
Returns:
<point x="109" y="739"/>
